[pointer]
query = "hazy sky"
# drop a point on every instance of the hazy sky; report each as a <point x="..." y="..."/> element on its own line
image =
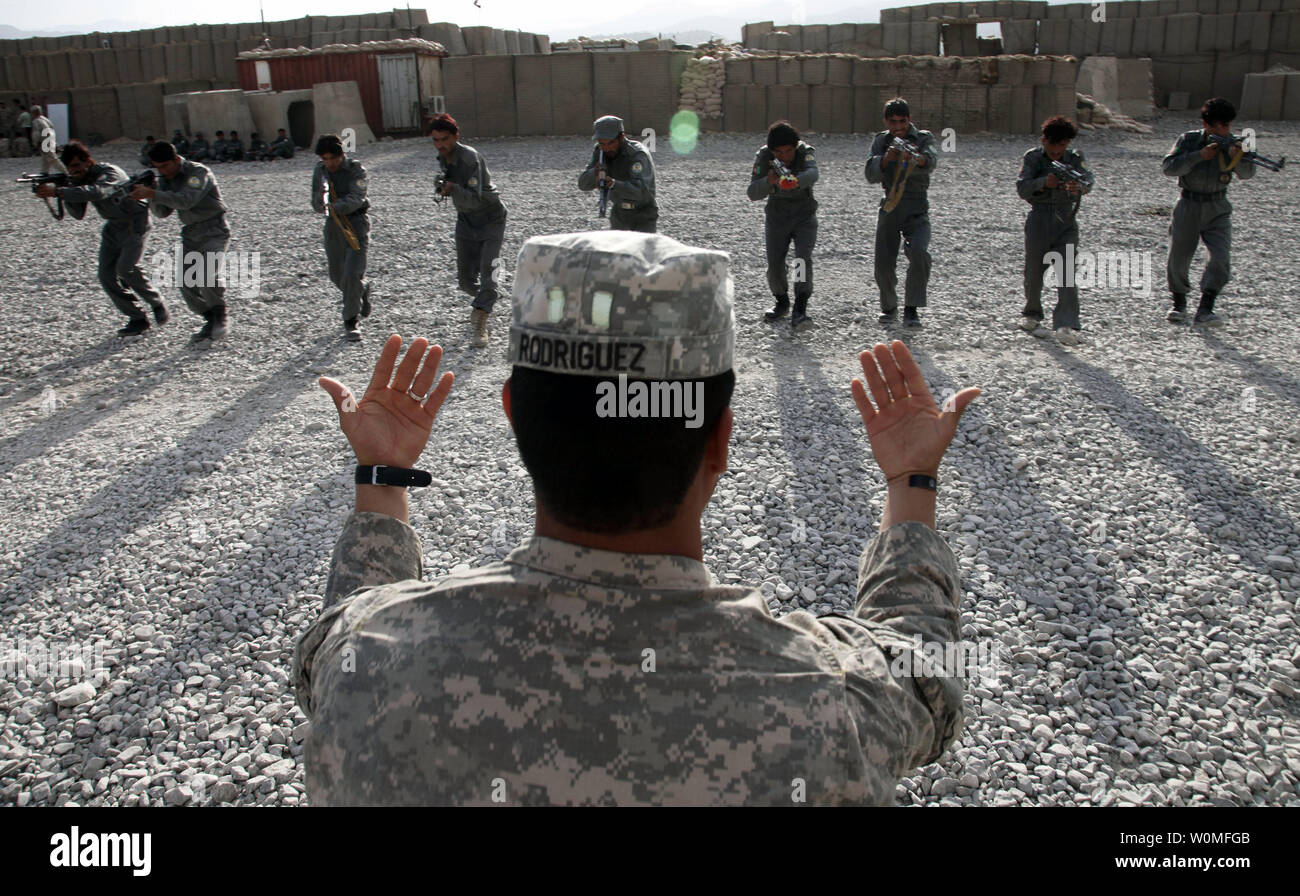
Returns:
<point x="559" y="18"/>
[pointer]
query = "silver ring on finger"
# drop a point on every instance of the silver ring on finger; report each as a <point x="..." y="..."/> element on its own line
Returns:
<point x="419" y="399"/>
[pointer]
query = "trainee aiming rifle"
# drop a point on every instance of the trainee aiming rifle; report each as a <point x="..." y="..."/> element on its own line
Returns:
<point x="911" y="154"/>
<point x="39" y="180"/>
<point x="344" y="224"/>
<point x="1228" y="142"/>
<point x="600" y="177"/>
<point x="147" y="178"/>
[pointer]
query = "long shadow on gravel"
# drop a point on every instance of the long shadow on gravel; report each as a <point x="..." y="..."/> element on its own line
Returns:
<point x="804" y="396"/>
<point x="101" y="351"/>
<point x="122" y="496"/>
<point x="1285" y="387"/>
<point x="1192" y="465"/>
<point x="71" y="419"/>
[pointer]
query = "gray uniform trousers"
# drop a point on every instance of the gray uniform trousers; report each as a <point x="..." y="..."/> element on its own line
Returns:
<point x="477" y="251"/>
<point x="120" y="248"/>
<point x="642" y="220"/>
<point x="1192" y="221"/>
<point x="347" y="265"/>
<point x="1050" y="228"/>
<point x="786" y="221"/>
<point x="908" y="224"/>
<point x="208" y="294"/>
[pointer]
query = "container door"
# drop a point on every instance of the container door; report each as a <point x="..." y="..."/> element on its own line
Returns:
<point x="399" y="92"/>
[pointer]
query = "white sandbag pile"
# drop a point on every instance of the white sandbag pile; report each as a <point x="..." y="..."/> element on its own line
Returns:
<point x="702" y="84"/>
<point x="1093" y="114"/>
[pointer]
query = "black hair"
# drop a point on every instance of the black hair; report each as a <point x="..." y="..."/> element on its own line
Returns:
<point x="329" y="145"/>
<point x="897" y="107"/>
<point x="74" y="149"/>
<point x="782" y="133"/>
<point x="611" y="475"/>
<point x="445" y="123"/>
<point x="1218" y="111"/>
<point x="162" y="152"/>
<point x="1059" y="128"/>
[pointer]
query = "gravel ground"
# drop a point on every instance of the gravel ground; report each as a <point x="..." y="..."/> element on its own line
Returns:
<point x="1126" y="512"/>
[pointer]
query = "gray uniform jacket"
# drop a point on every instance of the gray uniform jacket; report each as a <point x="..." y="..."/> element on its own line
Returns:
<point x="350" y="184"/>
<point x="1202" y="175"/>
<point x="194" y="194"/>
<point x="804" y="167"/>
<point x="569" y="675"/>
<point x="101" y="187"/>
<point x="472" y="191"/>
<point x="634" y="174"/>
<point x="1032" y="182"/>
<point x="918" y="182"/>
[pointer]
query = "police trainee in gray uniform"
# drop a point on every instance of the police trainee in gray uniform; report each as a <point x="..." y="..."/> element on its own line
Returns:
<point x="630" y="173"/>
<point x="126" y="227"/>
<point x="480" y="220"/>
<point x="904" y="211"/>
<point x="791" y="214"/>
<point x="601" y="663"/>
<point x="191" y="190"/>
<point x="1204" y="170"/>
<point x="338" y="190"/>
<point x="1051" y="225"/>
<point x="281" y="147"/>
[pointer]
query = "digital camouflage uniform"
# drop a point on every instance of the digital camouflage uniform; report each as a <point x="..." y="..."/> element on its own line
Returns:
<point x="570" y="675"/>
<point x="41" y="128"/>
<point x="790" y="215"/>
<point x="1202" y="213"/>
<point x="1049" y="227"/>
<point x="347" y="266"/>
<point x="632" y="203"/>
<point x="121" y="245"/>
<point x="194" y="194"/>
<point x="908" y="223"/>
<point x="480" y="224"/>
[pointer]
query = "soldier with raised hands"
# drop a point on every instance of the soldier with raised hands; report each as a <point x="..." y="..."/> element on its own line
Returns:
<point x="620" y="671"/>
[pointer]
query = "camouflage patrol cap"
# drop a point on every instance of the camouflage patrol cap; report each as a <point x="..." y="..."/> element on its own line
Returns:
<point x="616" y="302"/>
<point x="607" y="128"/>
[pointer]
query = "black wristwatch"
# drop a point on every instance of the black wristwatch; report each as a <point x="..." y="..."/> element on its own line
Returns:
<point x="400" y="477"/>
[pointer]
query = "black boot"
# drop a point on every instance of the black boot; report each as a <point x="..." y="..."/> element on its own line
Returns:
<point x="1205" y="315"/>
<point x="800" y="319"/>
<point x="778" y="311"/>
<point x="134" y="327"/>
<point x="1178" y="314"/>
<point x="910" y="317"/>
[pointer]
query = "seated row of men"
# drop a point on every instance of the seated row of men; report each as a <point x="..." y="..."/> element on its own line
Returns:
<point x="225" y="149"/>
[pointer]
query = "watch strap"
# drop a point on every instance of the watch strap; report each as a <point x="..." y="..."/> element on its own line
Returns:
<point x="400" y="477"/>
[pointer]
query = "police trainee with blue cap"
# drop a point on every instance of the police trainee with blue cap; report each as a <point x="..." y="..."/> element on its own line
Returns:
<point x="600" y="663"/>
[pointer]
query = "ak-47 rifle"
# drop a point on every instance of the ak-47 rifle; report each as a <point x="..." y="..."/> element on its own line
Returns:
<point x="147" y="178"/>
<point x="1067" y="174"/>
<point x="438" y="183"/>
<point x="39" y="180"/>
<point x="343" y="223"/>
<point x="786" y="177"/>
<point x="910" y="154"/>
<point x="1229" y="141"/>
<point x="600" y="178"/>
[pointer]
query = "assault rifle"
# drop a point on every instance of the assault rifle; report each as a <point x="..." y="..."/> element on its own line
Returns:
<point x="330" y="197"/>
<point x="1228" y="142"/>
<point x="39" y="180"/>
<point x="905" y="149"/>
<point x="785" y="175"/>
<point x="147" y="178"/>
<point x="438" y="183"/>
<point x="910" y="154"/>
<point x="1069" y="174"/>
<point x="600" y="177"/>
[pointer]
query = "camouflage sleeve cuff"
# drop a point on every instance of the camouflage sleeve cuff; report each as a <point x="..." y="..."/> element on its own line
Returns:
<point x="907" y="565"/>
<point x="373" y="549"/>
